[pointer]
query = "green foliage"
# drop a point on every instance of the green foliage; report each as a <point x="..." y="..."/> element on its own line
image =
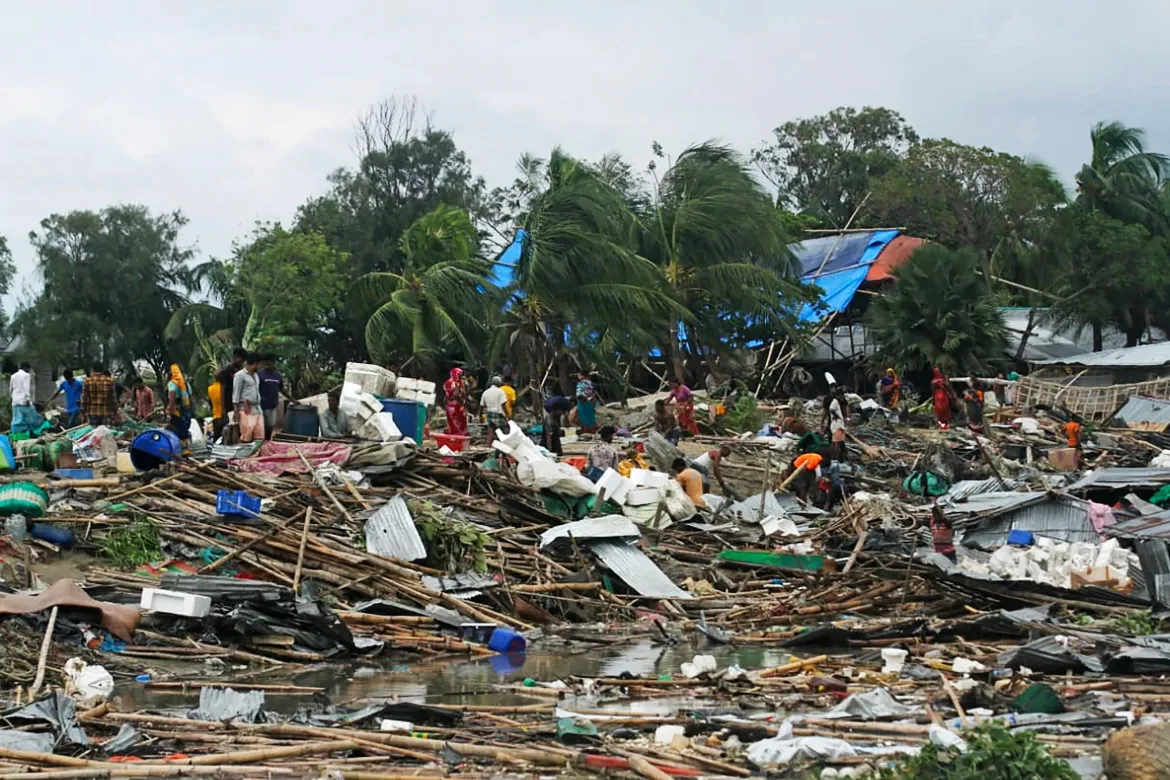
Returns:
<point x="938" y="313"/>
<point x="452" y="544"/>
<point x="131" y="545"/>
<point x="1141" y="623"/>
<point x="993" y="753"/>
<point x="441" y="298"/>
<point x="112" y="280"/>
<point x="1122" y="179"/>
<point x="744" y="415"/>
<point x="7" y="272"/>
<point x="823" y="166"/>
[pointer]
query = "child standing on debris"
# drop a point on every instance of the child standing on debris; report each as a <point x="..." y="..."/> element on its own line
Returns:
<point x="246" y="400"/>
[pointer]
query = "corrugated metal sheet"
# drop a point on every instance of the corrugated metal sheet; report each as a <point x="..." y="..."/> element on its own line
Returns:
<point x="1122" y="479"/>
<point x="1143" y="356"/>
<point x="974" y="487"/>
<point x="988" y="504"/>
<point x="1063" y="517"/>
<point x="1144" y="527"/>
<point x="391" y="533"/>
<point x="1145" y="414"/>
<point x="637" y="570"/>
<point x="607" y="527"/>
<point x="1155" y="560"/>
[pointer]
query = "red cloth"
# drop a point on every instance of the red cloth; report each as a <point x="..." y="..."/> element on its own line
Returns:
<point x="942" y="398"/>
<point x="275" y="457"/>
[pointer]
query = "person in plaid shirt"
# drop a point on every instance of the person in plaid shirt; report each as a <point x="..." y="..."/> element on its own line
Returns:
<point x="98" y="397"/>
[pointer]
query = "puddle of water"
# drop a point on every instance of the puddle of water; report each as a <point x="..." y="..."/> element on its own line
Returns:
<point x="475" y="682"/>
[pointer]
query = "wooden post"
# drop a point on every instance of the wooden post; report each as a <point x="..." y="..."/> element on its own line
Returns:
<point x="301" y="552"/>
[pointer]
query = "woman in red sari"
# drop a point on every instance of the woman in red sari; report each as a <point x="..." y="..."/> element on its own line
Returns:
<point x="940" y="388"/>
<point x="456" y="398"/>
<point x="684" y="399"/>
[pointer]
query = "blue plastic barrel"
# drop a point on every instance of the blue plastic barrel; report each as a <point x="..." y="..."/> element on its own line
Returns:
<point x="302" y="420"/>
<point x="409" y="416"/>
<point x="154" y="448"/>
<point x="505" y="640"/>
<point x="62" y="537"/>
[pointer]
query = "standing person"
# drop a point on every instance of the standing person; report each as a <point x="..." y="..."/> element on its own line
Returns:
<point x="586" y="403"/>
<point x="684" y="400"/>
<point x="25" y="418"/>
<point x="334" y="421"/>
<point x="179" y="406"/>
<point x="551" y="426"/>
<point x="71" y="387"/>
<point x="99" y="398"/>
<point x="691" y="481"/>
<point x="602" y="454"/>
<point x="455" y="393"/>
<point x="709" y="464"/>
<point x="246" y="401"/>
<point x="142" y="397"/>
<point x="271" y="387"/>
<point x="973" y="399"/>
<point x="510" y="392"/>
<point x="942" y="395"/>
<point x="225" y="378"/>
<point x="838" y="412"/>
<point x="665" y="423"/>
<point x="494" y="402"/>
<point x="890" y="389"/>
<point x="1009" y="392"/>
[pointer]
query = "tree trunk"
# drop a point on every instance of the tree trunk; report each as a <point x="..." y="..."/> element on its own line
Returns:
<point x="985" y="266"/>
<point x="1027" y="334"/>
<point x="673" y="357"/>
<point x="1098" y="337"/>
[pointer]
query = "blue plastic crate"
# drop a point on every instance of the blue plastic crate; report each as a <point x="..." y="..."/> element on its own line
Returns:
<point x="237" y="502"/>
<point x="1021" y="538"/>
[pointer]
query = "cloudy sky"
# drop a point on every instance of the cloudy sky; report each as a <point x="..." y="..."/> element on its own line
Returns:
<point x="236" y="110"/>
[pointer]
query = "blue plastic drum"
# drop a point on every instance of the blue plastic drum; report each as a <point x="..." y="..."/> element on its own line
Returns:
<point x="154" y="448"/>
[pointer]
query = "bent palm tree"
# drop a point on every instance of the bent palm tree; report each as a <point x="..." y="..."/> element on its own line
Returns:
<point x="1122" y="179"/>
<point x="437" y="302"/>
<point x="717" y="239"/>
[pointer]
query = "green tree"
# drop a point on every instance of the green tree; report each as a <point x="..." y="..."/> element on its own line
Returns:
<point x="960" y="196"/>
<point x="7" y="272"/>
<point x="719" y="245"/>
<point x="938" y="313"/>
<point x="1111" y="274"/>
<point x="112" y="280"/>
<point x="1122" y="179"/>
<point x="277" y="294"/>
<point x="822" y="166"/>
<point x="438" y="300"/>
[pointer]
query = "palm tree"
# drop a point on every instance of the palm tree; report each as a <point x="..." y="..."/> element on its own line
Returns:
<point x="438" y="301"/>
<point x="718" y="242"/>
<point x="1122" y="179"/>
<point x="939" y="313"/>
<point x="577" y="274"/>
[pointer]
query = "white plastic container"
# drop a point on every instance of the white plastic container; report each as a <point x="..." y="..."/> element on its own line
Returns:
<point x="426" y="399"/>
<point x="614" y="485"/>
<point x="643" y="496"/>
<point x="173" y="602"/>
<point x="893" y="660"/>
<point x="651" y="479"/>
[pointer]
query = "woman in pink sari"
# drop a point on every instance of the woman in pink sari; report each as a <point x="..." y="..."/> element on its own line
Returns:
<point x="455" y="392"/>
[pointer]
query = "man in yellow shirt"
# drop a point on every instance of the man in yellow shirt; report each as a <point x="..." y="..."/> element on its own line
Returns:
<point x="510" y="392"/>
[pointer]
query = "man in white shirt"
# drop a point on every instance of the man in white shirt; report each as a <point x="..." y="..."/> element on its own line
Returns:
<point x="837" y="422"/>
<point x="494" y="402"/>
<point x="25" y="418"/>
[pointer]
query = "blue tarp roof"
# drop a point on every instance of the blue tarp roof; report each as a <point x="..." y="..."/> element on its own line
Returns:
<point x="845" y="270"/>
<point x="504" y="269"/>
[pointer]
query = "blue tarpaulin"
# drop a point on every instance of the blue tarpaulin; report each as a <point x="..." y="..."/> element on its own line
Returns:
<point x="504" y="269"/>
<point x="839" y="289"/>
<point x="845" y="270"/>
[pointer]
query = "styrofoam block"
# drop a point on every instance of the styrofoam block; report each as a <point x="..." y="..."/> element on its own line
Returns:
<point x="407" y="395"/>
<point x="371" y="378"/>
<point x="173" y="602"/>
<point x="641" y="496"/>
<point x="649" y="479"/>
<point x="426" y="399"/>
<point x="614" y="486"/>
<point x="423" y="386"/>
<point x="406" y="383"/>
<point x="381" y="428"/>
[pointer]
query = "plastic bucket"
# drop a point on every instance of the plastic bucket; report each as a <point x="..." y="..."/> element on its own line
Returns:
<point x="154" y="448"/>
<point x="505" y="640"/>
<point x="453" y="443"/>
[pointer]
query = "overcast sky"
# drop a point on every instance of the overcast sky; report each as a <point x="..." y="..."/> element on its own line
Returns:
<point x="236" y="110"/>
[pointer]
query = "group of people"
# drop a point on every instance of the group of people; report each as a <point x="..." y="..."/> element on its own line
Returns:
<point x="94" y="399"/>
<point x="246" y="393"/>
<point x="674" y="416"/>
<point x="498" y="402"/>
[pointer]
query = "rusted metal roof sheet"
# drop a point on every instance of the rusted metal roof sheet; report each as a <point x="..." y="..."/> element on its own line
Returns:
<point x="391" y="533"/>
<point x="1145" y="414"/>
<point x="1144" y="527"/>
<point x="895" y="253"/>
<point x="637" y="570"/>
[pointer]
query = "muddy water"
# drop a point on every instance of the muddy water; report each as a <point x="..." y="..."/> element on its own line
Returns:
<point x="474" y="682"/>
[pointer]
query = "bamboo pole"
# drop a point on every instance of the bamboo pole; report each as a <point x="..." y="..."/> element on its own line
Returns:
<point x="46" y="643"/>
<point x="301" y="551"/>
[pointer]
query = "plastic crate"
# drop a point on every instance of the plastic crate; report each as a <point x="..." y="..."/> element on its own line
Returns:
<point x="237" y="502"/>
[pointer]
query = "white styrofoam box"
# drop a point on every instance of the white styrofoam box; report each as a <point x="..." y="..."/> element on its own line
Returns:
<point x="614" y="486"/>
<point x="426" y="399"/>
<point x="320" y="402"/>
<point x="406" y="383"/>
<point x="381" y="428"/>
<point x="173" y="602"/>
<point x="407" y="395"/>
<point x="641" y="496"/>
<point x="372" y="379"/>
<point x="423" y="386"/>
<point x="647" y="478"/>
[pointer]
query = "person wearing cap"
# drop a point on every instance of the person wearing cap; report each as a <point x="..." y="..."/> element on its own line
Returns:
<point x="494" y="403"/>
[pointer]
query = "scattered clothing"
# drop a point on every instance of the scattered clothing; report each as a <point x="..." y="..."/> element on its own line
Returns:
<point x="602" y="455"/>
<point x="627" y="466"/>
<point x="334" y="425"/>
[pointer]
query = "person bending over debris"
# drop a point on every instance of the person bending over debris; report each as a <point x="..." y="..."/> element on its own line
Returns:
<point x="72" y="388"/>
<point x="602" y="454"/>
<point x="246" y="400"/>
<point x="691" y="481"/>
<point x="665" y="423"/>
<point x="334" y="421"/>
<point x="709" y="464"/>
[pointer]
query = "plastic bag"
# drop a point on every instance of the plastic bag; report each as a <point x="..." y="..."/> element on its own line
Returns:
<point x="86" y="681"/>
